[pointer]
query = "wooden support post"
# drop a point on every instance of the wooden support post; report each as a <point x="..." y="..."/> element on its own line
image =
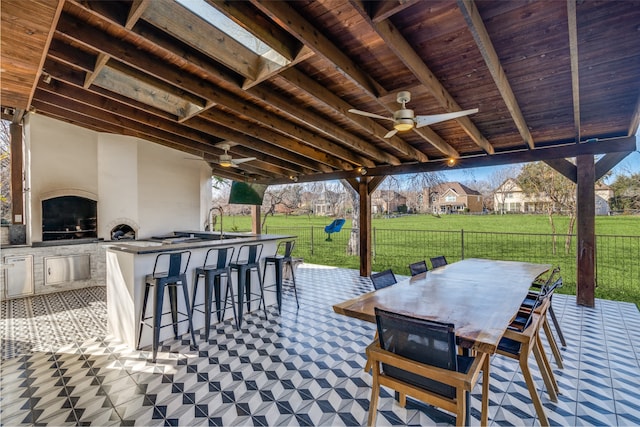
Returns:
<point x="586" y="257"/>
<point x="365" y="227"/>
<point x="256" y="227"/>
<point x="17" y="182"/>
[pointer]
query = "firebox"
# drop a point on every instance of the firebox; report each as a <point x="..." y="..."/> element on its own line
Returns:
<point x="69" y="217"/>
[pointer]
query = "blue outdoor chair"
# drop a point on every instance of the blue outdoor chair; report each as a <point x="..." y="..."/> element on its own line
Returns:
<point x="334" y="227"/>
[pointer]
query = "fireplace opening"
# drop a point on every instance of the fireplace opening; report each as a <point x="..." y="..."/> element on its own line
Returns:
<point x="123" y="232"/>
<point x="69" y="217"/>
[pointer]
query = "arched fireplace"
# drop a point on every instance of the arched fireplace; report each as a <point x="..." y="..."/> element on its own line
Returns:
<point x="69" y="217"/>
<point x="123" y="232"/>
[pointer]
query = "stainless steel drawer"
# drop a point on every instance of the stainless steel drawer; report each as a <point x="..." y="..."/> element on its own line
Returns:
<point x="69" y="268"/>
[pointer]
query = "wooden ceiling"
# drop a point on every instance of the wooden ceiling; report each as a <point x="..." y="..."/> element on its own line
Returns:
<point x="551" y="79"/>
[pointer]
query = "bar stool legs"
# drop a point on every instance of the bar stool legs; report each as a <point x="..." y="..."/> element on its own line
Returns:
<point x="160" y="281"/>
<point x="247" y="261"/>
<point x="279" y="261"/>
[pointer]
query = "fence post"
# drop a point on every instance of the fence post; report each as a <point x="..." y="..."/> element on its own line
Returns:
<point x="311" y="240"/>
<point x="462" y="241"/>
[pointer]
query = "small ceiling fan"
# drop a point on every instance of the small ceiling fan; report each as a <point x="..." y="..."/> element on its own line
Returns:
<point x="404" y="119"/>
<point x="226" y="161"/>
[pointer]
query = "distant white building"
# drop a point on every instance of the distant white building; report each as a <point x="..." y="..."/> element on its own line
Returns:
<point x="509" y="197"/>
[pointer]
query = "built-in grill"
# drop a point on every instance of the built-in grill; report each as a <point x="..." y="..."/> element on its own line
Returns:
<point x="69" y="217"/>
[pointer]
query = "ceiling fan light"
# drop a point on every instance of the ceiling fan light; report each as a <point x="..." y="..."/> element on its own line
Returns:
<point x="225" y="163"/>
<point x="402" y="125"/>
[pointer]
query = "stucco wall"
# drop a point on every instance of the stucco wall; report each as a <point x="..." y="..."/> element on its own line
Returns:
<point x="152" y="188"/>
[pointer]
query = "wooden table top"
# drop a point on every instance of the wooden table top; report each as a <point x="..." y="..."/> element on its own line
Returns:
<point x="479" y="296"/>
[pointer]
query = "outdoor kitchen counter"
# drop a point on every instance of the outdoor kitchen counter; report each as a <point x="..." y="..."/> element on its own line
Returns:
<point x="129" y="262"/>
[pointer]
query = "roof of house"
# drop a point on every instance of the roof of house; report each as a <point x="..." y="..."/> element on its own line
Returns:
<point x="458" y="188"/>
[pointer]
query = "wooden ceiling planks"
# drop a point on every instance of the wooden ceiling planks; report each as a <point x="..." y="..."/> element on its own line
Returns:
<point x="24" y="44"/>
<point x="345" y="54"/>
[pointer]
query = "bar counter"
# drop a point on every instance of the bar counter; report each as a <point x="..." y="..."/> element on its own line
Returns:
<point x="128" y="262"/>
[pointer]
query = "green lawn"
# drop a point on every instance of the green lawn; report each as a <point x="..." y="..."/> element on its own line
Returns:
<point x="399" y="241"/>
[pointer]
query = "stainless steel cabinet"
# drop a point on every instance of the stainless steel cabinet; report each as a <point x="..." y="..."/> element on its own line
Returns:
<point x="18" y="275"/>
<point x="60" y="269"/>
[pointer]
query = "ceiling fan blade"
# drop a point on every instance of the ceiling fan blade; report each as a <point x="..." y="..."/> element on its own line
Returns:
<point x="373" y="116"/>
<point x="246" y="159"/>
<point x="391" y="133"/>
<point x="436" y="118"/>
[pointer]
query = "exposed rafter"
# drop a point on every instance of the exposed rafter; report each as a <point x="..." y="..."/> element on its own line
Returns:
<point x="477" y="28"/>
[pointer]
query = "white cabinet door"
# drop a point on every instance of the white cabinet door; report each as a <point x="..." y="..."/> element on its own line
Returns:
<point x="18" y="275"/>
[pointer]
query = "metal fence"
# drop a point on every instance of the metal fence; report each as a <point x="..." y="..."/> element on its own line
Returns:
<point x="617" y="257"/>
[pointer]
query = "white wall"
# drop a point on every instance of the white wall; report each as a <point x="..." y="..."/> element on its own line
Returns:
<point x="152" y="188"/>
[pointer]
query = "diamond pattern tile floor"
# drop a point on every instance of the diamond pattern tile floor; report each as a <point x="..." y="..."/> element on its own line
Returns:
<point x="300" y="368"/>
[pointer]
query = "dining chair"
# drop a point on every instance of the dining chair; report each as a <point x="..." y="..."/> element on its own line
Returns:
<point x="418" y="267"/>
<point x="544" y="307"/>
<point x="418" y="357"/>
<point x="552" y="280"/>
<point x="521" y="338"/>
<point x="383" y="279"/>
<point x="438" y="261"/>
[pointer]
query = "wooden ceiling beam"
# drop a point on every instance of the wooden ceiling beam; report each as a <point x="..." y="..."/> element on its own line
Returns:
<point x="245" y="15"/>
<point x="142" y="130"/>
<point x="381" y="10"/>
<point x="403" y="50"/>
<point x="137" y="8"/>
<point x="72" y="117"/>
<point x="485" y="45"/>
<point x="143" y="61"/>
<point x="275" y="138"/>
<point x="197" y="137"/>
<point x="341" y="107"/>
<point x="281" y="157"/>
<point x="284" y="14"/>
<point x="614" y="145"/>
<point x="323" y="126"/>
<point x="575" y="74"/>
<point x="178" y="21"/>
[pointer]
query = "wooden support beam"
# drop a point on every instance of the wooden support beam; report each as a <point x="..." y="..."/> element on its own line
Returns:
<point x="586" y="256"/>
<point x="607" y="162"/>
<point x="565" y="168"/>
<point x="613" y="145"/>
<point x="255" y="220"/>
<point x="481" y="36"/>
<point x="365" y="227"/>
<point x="366" y="186"/>
<point x="17" y="186"/>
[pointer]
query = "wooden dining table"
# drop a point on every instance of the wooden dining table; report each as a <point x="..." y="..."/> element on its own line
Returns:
<point x="479" y="296"/>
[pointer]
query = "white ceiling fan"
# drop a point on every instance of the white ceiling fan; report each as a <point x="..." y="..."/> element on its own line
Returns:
<point x="226" y="160"/>
<point x="404" y="119"/>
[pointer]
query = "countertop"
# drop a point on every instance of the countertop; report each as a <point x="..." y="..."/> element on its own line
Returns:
<point x="199" y="240"/>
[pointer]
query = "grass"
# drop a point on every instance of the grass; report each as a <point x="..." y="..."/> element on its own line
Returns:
<point x="399" y="241"/>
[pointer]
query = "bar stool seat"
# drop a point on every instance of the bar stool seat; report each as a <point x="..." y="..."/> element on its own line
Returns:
<point x="174" y="276"/>
<point x="279" y="260"/>
<point x="247" y="261"/>
<point x="215" y="268"/>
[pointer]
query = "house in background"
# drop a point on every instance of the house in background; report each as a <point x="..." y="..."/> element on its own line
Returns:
<point x="387" y="201"/>
<point x="509" y="198"/>
<point x="453" y="197"/>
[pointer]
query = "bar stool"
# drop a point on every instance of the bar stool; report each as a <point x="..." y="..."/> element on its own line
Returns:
<point x="213" y="273"/>
<point x="279" y="260"/>
<point x="246" y="262"/>
<point x="173" y="277"/>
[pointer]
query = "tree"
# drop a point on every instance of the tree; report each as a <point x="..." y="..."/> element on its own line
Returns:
<point x="5" y="164"/>
<point x="539" y="180"/>
<point x="626" y="192"/>
<point x="287" y="196"/>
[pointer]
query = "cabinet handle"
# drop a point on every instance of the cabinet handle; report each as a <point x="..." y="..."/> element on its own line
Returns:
<point x="49" y="271"/>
